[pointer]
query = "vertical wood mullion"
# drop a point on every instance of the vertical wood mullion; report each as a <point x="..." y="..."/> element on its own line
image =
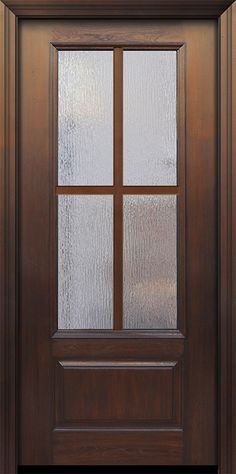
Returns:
<point x="118" y="182"/>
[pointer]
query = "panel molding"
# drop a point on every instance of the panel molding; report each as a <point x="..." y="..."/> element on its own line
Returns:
<point x="99" y="368"/>
<point x="124" y="334"/>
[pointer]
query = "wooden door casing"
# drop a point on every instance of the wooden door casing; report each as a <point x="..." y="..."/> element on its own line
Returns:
<point x="9" y="203"/>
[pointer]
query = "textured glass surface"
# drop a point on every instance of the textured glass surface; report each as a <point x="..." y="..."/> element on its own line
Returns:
<point x="150" y="262"/>
<point x="85" y="266"/>
<point x="85" y="118"/>
<point x="150" y="132"/>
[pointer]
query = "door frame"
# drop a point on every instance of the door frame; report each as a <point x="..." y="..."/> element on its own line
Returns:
<point x="10" y="12"/>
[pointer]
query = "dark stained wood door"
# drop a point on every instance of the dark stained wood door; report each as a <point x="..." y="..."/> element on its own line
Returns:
<point x="121" y="393"/>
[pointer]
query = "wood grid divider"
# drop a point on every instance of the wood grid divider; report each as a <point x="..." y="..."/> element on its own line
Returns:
<point x="118" y="182"/>
<point x="161" y="190"/>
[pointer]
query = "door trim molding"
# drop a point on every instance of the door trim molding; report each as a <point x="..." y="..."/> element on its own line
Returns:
<point x="8" y="239"/>
<point x="9" y="14"/>
<point x="119" y="8"/>
<point x="227" y="241"/>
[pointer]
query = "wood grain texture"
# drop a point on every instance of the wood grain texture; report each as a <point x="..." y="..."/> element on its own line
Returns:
<point x="200" y="337"/>
<point x="8" y="240"/>
<point x="152" y="395"/>
<point x="115" y="349"/>
<point x="201" y="246"/>
<point x="227" y="270"/>
<point x="227" y="241"/>
<point x="119" y="8"/>
<point x="34" y="181"/>
<point x="118" y="447"/>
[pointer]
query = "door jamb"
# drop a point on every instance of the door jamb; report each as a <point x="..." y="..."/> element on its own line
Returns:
<point x="10" y="12"/>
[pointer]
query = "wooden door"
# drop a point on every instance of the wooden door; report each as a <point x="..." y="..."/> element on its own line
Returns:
<point x="118" y="242"/>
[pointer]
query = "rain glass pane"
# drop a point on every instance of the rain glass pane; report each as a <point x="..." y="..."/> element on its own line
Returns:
<point x="150" y="262"/>
<point x="150" y="131"/>
<point x="85" y="118"/>
<point x="85" y="266"/>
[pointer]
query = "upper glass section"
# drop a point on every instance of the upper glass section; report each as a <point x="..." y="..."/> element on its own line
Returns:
<point x="150" y="131"/>
<point x="85" y="118"/>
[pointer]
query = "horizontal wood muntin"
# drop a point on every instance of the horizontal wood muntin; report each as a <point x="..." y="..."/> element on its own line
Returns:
<point x="117" y="334"/>
<point x="165" y="190"/>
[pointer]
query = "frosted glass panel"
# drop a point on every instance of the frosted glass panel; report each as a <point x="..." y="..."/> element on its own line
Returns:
<point x="150" y="262"/>
<point x="150" y="132"/>
<point x="85" y="118"/>
<point x="85" y="267"/>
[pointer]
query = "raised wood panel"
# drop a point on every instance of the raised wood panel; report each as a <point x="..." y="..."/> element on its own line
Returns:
<point x="118" y="447"/>
<point x="119" y="8"/>
<point x="118" y="393"/>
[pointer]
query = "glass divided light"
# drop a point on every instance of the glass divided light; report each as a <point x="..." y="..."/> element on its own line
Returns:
<point x="145" y="222"/>
<point x="85" y="117"/>
<point x="150" y="262"/>
<point x="150" y="132"/>
<point x="85" y="262"/>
